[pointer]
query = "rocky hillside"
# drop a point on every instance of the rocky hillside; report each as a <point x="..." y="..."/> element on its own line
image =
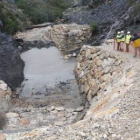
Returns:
<point x="15" y="15"/>
<point x="121" y="14"/>
<point x="39" y="11"/>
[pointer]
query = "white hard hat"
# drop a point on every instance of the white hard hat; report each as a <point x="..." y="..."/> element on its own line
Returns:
<point x="119" y="32"/>
<point x="128" y="32"/>
<point x="122" y="31"/>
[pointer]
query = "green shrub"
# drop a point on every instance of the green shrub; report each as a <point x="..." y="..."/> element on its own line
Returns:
<point x="130" y="3"/>
<point x="42" y="11"/>
<point x="137" y="8"/>
<point x="94" y="27"/>
<point x="11" y="24"/>
<point x="13" y="20"/>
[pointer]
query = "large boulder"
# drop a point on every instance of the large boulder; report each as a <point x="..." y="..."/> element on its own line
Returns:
<point x="11" y="66"/>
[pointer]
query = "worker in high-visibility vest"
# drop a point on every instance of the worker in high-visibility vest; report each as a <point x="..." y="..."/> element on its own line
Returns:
<point x="136" y="43"/>
<point x="117" y="40"/>
<point x="127" y="41"/>
<point x="122" y="38"/>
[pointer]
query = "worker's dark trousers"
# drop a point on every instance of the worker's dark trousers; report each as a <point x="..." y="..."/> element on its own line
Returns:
<point x="118" y="46"/>
<point x="127" y="47"/>
<point x="121" y="46"/>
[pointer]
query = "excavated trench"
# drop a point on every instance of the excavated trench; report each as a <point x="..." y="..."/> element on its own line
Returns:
<point x="49" y="95"/>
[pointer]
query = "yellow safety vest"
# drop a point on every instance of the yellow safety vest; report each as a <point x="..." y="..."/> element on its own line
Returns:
<point x="123" y="39"/>
<point x="127" y="40"/>
<point x="118" y="36"/>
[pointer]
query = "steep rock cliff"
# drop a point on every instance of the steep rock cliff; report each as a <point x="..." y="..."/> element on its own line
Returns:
<point x="118" y="14"/>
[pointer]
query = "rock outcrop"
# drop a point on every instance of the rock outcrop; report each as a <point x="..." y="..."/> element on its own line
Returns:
<point x="118" y="14"/>
<point x="11" y="66"/>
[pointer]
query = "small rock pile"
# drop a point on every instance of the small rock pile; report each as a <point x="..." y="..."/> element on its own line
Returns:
<point x="69" y="36"/>
<point x="32" y="117"/>
<point x="5" y="101"/>
<point x="5" y="96"/>
<point x="96" y="70"/>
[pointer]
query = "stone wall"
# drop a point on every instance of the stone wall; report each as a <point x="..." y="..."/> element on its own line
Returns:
<point x="69" y="36"/>
<point x="96" y="70"/>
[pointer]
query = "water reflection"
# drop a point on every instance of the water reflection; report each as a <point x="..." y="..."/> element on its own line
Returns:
<point x="44" y="68"/>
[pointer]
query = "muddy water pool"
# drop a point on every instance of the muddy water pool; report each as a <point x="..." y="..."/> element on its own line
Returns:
<point x="48" y="75"/>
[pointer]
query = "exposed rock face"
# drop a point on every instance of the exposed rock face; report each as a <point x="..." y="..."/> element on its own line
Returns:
<point x="11" y="66"/>
<point x="123" y="14"/>
<point x="70" y="37"/>
<point x="104" y="13"/>
<point x="96" y="70"/>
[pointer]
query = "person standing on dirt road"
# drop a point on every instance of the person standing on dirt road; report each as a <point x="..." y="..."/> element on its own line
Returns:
<point x="139" y="33"/>
<point x="117" y="40"/>
<point x="127" y="41"/>
<point x="136" y="43"/>
<point x="122" y="38"/>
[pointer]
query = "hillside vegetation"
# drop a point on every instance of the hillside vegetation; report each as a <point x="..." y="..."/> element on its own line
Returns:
<point x="40" y="11"/>
<point x="12" y="18"/>
<point x="18" y="14"/>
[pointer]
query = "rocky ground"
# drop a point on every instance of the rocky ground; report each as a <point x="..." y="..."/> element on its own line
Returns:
<point x="28" y="115"/>
<point x="120" y="122"/>
<point x="114" y="116"/>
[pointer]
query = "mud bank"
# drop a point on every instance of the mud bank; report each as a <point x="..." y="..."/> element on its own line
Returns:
<point x="24" y="46"/>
